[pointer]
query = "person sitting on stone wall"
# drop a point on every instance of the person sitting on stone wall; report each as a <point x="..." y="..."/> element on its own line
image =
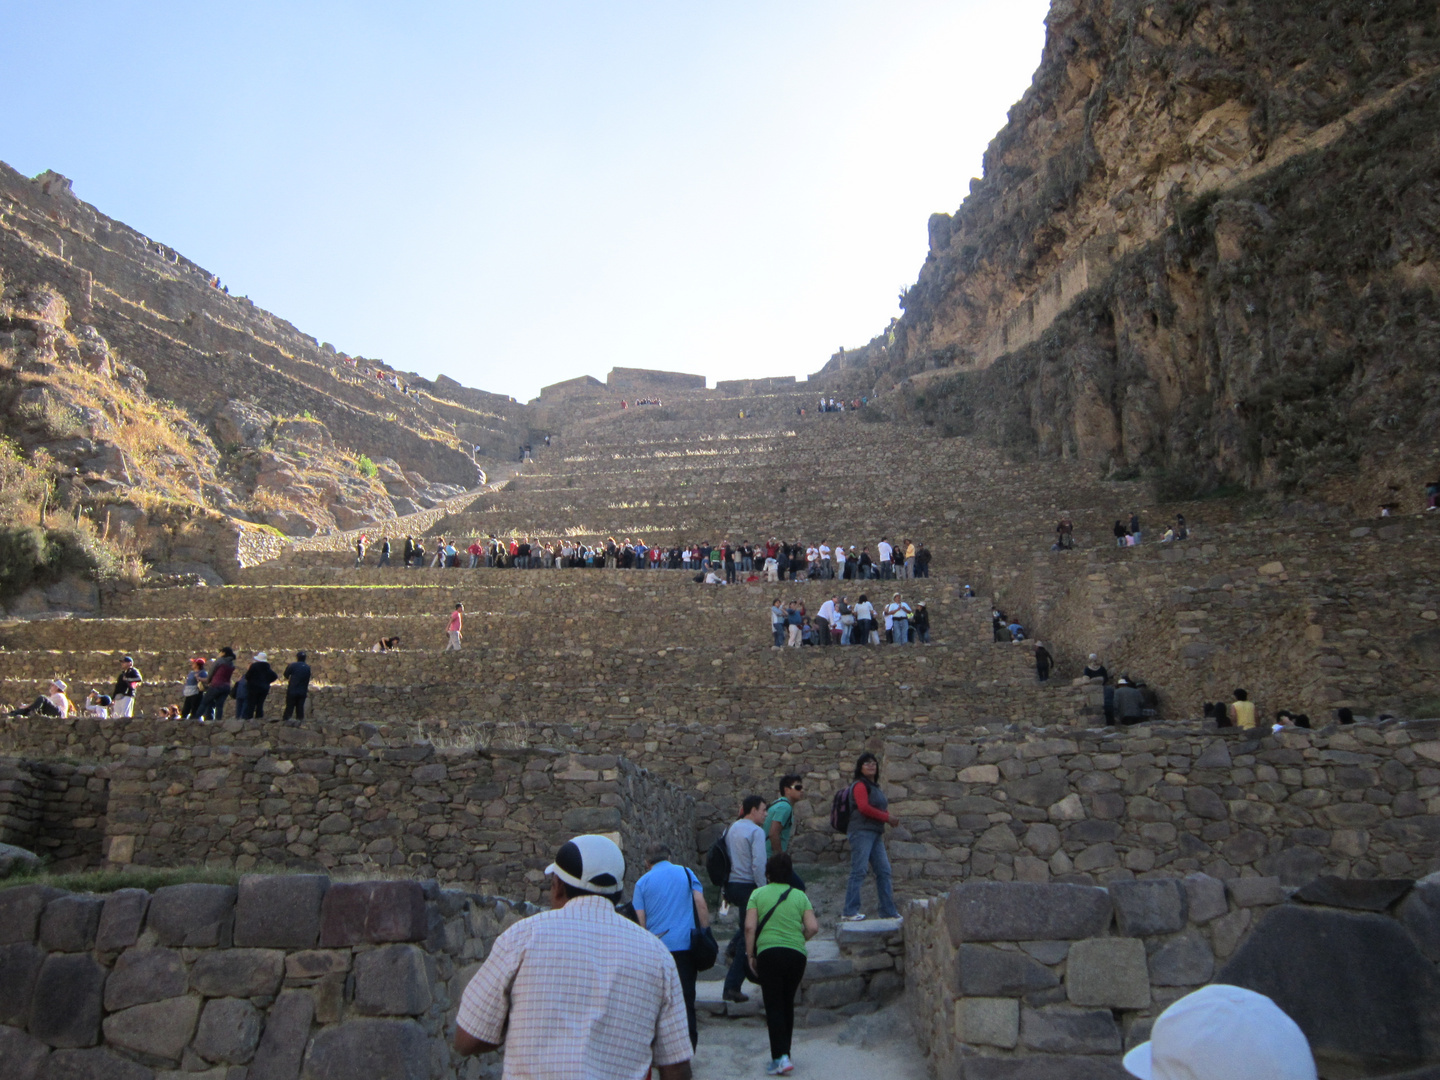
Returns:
<point x="1129" y="702"/>
<point x="1241" y="711"/>
<point x="97" y="705"/>
<point x="51" y="703"/>
<point x="1094" y="669"/>
<point x="1017" y="632"/>
<point x="1182" y="532"/>
<point x="386" y="644"/>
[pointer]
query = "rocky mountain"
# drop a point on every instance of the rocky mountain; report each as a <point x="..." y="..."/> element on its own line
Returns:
<point x="167" y="422"/>
<point x="1204" y="248"/>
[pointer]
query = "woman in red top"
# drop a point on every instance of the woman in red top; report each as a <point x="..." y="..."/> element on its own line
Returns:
<point x="866" y="834"/>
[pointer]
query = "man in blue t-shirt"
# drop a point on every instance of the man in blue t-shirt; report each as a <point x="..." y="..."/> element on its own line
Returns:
<point x="669" y="901"/>
<point x="780" y="821"/>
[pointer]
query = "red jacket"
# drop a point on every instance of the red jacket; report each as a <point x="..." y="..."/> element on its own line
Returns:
<point x="862" y="803"/>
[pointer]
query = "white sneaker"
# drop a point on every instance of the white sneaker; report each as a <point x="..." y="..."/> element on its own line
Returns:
<point x="773" y="1069"/>
<point x="786" y="1065"/>
<point x="851" y="918"/>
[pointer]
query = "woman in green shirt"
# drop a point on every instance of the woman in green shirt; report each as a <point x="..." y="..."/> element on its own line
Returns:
<point x="778" y="922"/>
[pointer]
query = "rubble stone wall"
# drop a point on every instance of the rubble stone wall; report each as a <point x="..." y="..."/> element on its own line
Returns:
<point x="56" y="809"/>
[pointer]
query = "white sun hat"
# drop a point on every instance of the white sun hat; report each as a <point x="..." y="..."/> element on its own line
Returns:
<point x="590" y="862"/>
<point x="1223" y="1032"/>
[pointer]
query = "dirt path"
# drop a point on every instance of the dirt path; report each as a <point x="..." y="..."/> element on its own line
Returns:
<point x="858" y="1048"/>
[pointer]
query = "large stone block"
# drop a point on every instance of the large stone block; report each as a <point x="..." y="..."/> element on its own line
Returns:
<point x="1062" y="1030"/>
<point x="392" y="981"/>
<point x="159" y="1028"/>
<point x="287" y="1030"/>
<point x="22" y="1057"/>
<point x="1018" y="911"/>
<point x="66" y="1005"/>
<point x="1420" y="914"/>
<point x="373" y="911"/>
<point x="988" y="1021"/>
<point x="1108" y="972"/>
<point x="238" y="972"/>
<point x="142" y="975"/>
<point x="228" y="1032"/>
<point x="195" y="914"/>
<point x="94" y="1065"/>
<point x="1184" y="961"/>
<point x="1205" y="898"/>
<point x="1358" y="894"/>
<point x="1042" y="1067"/>
<point x="121" y="919"/>
<point x="373" y="1049"/>
<point x="68" y="923"/>
<point x="1143" y="908"/>
<point x="280" y="911"/>
<point x="1254" y="891"/>
<point x="20" y="910"/>
<point x="1360" y="989"/>
<point x="986" y="972"/>
<point x="19" y="967"/>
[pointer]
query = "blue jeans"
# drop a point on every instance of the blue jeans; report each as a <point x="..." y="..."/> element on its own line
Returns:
<point x="901" y="629"/>
<point x="779" y="629"/>
<point x="738" y="893"/>
<point x="867" y="848"/>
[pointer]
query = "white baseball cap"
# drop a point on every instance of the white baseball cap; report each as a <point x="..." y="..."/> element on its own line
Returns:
<point x="593" y="863"/>
<point x="1223" y="1032"/>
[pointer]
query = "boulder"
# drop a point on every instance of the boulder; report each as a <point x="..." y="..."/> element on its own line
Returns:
<point x="1365" y="996"/>
<point x="159" y="1028"/>
<point x="287" y="1030"/>
<point x="24" y="1056"/>
<point x="1144" y="908"/>
<point x="68" y="923"/>
<point x="373" y="1049"/>
<point x="1109" y="973"/>
<point x="1254" y="891"/>
<point x="229" y="1031"/>
<point x="1184" y="961"/>
<point x="1064" y="1030"/>
<point x="1420" y="913"/>
<point x="66" y="1004"/>
<point x="982" y="971"/>
<point x="15" y="860"/>
<point x="20" y="910"/>
<point x="142" y="975"/>
<point x="1019" y="911"/>
<point x="1358" y="894"/>
<point x="238" y="972"/>
<point x="280" y="911"/>
<point x="392" y="981"/>
<point x="1205" y="898"/>
<point x="982" y="1021"/>
<point x="121" y="919"/>
<point x="19" y="967"/>
<point x="373" y="912"/>
<point x="240" y="423"/>
<point x="94" y="1065"/>
<point x="194" y="914"/>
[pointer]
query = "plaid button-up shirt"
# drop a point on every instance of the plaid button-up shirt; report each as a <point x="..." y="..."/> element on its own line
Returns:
<point x="580" y="993"/>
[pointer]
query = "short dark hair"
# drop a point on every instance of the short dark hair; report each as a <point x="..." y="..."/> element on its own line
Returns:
<point x="860" y="764"/>
<point x="1345" y="715"/>
<point x="657" y="853"/>
<point x="779" y="867"/>
<point x="1241" y="695"/>
<point x="789" y="780"/>
<point x="300" y="655"/>
<point x="750" y="802"/>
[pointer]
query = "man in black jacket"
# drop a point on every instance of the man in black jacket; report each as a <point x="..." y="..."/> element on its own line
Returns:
<point x="297" y="688"/>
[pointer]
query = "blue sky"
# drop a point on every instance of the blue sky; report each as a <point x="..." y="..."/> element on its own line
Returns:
<point x="517" y="194"/>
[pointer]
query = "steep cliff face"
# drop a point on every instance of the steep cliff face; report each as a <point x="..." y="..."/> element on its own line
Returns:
<point x="1205" y="245"/>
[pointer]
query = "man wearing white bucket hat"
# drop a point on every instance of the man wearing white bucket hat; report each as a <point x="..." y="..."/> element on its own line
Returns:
<point x="1223" y="1032"/>
<point x="579" y="992"/>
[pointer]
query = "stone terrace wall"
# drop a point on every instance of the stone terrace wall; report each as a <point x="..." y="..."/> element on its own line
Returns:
<point x="56" y="809"/>
<point x="278" y="977"/>
<point x="1005" y="803"/>
<point x="494" y="819"/>
<point x="1054" y="982"/>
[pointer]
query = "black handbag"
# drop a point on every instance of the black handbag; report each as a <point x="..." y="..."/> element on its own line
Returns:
<point x="704" y="949"/>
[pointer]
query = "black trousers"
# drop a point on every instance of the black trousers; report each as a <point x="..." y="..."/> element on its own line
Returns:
<point x="212" y="704"/>
<point x="294" y="706"/>
<point x="190" y="710"/>
<point x="780" y="971"/>
<point x="685" y="965"/>
<point x="738" y="893"/>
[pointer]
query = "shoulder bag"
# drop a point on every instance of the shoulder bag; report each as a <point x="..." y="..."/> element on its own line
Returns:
<point x="760" y="926"/>
<point x="704" y="949"/>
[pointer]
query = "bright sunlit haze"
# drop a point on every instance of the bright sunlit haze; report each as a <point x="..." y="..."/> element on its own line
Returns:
<point x="519" y="194"/>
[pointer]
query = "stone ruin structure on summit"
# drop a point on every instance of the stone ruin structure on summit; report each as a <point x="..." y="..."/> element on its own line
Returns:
<point x="1081" y="344"/>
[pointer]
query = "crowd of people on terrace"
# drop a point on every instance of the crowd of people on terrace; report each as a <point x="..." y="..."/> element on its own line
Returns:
<point x="774" y="560"/>
<point x="839" y="622"/>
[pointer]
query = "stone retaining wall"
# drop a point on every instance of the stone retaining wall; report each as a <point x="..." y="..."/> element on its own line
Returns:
<point x="56" y="809"/>
<point x="1056" y="981"/>
<point x="279" y="978"/>
<point x="492" y="818"/>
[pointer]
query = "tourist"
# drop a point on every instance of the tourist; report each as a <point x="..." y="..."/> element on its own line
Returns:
<point x="840" y="569"/>
<point x="779" y="920"/>
<point x="217" y="686"/>
<point x="191" y="692"/>
<point x="360" y="550"/>
<point x="921" y="623"/>
<point x="407" y="552"/>
<point x="1043" y="662"/>
<point x="386" y="644"/>
<point x="384" y="552"/>
<point x="865" y="623"/>
<point x="865" y="833"/>
<point x="922" y="561"/>
<point x="438" y="562"/>
<point x="847" y="621"/>
<point x="1432" y="495"/>
<point x="1134" y="529"/>
<point x="897" y="616"/>
<point x="297" y="687"/>
<point x="1130" y="703"/>
<point x="1182" y="532"/>
<point x="780" y="820"/>
<point x="777" y="624"/>
<point x="1094" y="669"/>
<point x="1119" y="532"/>
<point x="865" y="569"/>
<point x="826" y="619"/>
<point x="579" y="991"/>
<point x="669" y="901"/>
<point x="745" y="841"/>
<point x="457" y="619"/>
<point x="1241" y="711"/>
<point x="1223" y="1032"/>
<point x="1064" y="535"/>
<point x="909" y="564"/>
<point x="474" y="551"/>
<point x="794" y="618"/>
<point x="97" y="705"/>
<point x="1345" y="715"/>
<point x="1016" y="632"/>
<point x="125" y="685"/>
<point x="886" y="554"/>
<point x="258" y="677"/>
<point x="51" y="703"/>
<point x="967" y="593"/>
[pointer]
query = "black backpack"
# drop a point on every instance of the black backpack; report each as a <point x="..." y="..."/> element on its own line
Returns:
<point x="717" y="860"/>
<point x="840" y="809"/>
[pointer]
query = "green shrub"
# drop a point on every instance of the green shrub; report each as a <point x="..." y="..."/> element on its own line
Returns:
<point x="30" y="556"/>
<point x="366" y="466"/>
